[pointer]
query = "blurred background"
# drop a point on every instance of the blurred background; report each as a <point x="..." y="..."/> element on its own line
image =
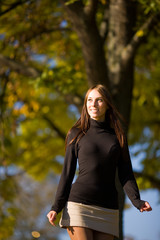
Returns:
<point x="50" y="53"/>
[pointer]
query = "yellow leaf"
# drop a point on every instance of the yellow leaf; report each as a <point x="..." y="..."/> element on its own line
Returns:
<point x="141" y="100"/>
<point x="35" y="105"/>
<point x="24" y="144"/>
<point x="103" y="2"/>
<point x="156" y="101"/>
<point x="24" y="110"/>
<point x="27" y="155"/>
<point x="11" y="99"/>
<point x="140" y="33"/>
<point x="45" y="109"/>
<point x="135" y="92"/>
<point x="50" y="73"/>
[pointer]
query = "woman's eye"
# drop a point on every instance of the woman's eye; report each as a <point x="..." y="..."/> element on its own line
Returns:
<point x="89" y="100"/>
<point x="100" y="100"/>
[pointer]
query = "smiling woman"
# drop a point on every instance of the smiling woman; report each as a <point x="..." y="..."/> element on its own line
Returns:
<point x="96" y="106"/>
<point x="98" y="142"/>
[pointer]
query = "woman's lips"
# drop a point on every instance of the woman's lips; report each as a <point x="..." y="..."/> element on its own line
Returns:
<point x="94" y="110"/>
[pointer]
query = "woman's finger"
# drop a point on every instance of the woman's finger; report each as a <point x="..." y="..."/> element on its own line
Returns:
<point x="146" y="207"/>
<point x="52" y="217"/>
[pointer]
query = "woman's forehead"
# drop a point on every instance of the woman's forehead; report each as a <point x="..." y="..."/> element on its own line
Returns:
<point x="94" y="94"/>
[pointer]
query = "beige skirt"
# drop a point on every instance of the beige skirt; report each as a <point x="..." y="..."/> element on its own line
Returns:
<point x="93" y="217"/>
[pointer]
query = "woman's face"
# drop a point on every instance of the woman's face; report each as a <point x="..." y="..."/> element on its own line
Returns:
<point x="96" y="106"/>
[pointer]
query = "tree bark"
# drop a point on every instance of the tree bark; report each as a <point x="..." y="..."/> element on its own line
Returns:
<point x="85" y="26"/>
<point x="122" y="16"/>
<point x="121" y="23"/>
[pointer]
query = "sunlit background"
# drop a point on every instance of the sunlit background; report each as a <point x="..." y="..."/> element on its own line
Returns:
<point x="45" y="71"/>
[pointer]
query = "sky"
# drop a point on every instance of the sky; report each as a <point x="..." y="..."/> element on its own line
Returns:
<point x="146" y="225"/>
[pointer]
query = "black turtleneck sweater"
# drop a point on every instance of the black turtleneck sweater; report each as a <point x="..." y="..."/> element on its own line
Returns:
<point x="99" y="155"/>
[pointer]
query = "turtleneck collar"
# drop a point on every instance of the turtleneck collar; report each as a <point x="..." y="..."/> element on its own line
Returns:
<point x="97" y="124"/>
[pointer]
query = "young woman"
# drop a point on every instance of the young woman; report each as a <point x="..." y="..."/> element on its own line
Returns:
<point x="97" y="140"/>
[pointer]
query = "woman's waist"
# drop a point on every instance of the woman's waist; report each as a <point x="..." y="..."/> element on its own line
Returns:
<point x="105" y="196"/>
<point x="95" y="182"/>
<point x="94" y="187"/>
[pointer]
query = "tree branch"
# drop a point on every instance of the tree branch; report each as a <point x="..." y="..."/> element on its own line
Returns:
<point x="41" y="31"/>
<point x="91" y="8"/>
<point x="153" y="180"/>
<point x="76" y="7"/>
<point x="76" y="100"/>
<point x="6" y="80"/>
<point x="54" y="127"/>
<point x="21" y="172"/>
<point x="129" y="51"/>
<point x="91" y="42"/>
<point x="12" y="6"/>
<point x="104" y="24"/>
<point x="19" y="67"/>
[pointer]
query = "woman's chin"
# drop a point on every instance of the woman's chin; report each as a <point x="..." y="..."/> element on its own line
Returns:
<point x="95" y="117"/>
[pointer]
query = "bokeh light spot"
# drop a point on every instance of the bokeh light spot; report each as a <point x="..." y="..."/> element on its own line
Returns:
<point x="35" y="234"/>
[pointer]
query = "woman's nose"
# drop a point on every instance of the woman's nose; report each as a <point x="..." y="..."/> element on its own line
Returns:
<point x="93" y="103"/>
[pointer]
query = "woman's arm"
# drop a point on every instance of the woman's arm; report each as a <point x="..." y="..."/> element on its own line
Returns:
<point x="68" y="172"/>
<point x="128" y="181"/>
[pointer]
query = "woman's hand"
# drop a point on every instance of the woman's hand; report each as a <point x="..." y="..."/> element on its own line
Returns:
<point x="52" y="217"/>
<point x="145" y="207"/>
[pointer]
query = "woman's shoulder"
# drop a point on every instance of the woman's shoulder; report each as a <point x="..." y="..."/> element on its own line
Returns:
<point x="73" y="132"/>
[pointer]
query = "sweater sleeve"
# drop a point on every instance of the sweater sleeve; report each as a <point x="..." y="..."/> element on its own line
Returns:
<point x="68" y="172"/>
<point x="127" y="178"/>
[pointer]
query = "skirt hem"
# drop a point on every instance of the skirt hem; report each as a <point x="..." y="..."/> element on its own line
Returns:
<point x="93" y="217"/>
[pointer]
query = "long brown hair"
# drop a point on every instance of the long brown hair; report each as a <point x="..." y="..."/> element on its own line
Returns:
<point x="112" y="116"/>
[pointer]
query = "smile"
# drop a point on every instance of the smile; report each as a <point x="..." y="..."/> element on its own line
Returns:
<point x="94" y="110"/>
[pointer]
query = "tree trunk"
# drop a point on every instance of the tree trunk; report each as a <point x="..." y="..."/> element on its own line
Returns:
<point x="91" y="42"/>
<point x="121" y="73"/>
<point x="121" y="23"/>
